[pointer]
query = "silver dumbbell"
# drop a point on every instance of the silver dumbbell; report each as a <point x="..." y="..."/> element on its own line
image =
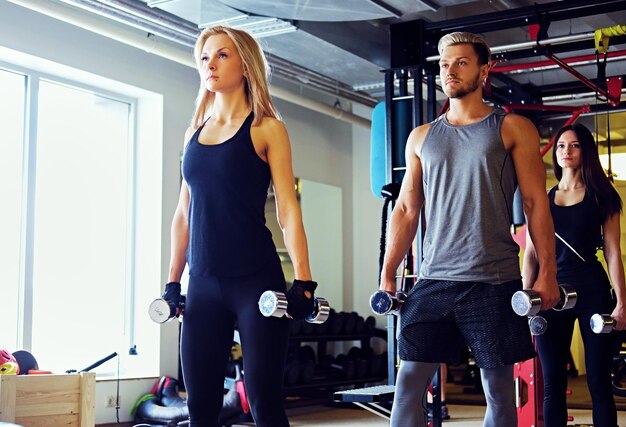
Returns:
<point x="601" y="323"/>
<point x="275" y="304"/>
<point x="528" y="302"/>
<point x="383" y="303"/>
<point x="161" y="311"/>
<point x="537" y="324"/>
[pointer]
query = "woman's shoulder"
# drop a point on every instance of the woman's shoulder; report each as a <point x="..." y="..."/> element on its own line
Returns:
<point x="270" y="128"/>
<point x="271" y="123"/>
<point x="189" y="133"/>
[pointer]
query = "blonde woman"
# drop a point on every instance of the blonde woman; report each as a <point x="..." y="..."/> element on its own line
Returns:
<point x="236" y="146"/>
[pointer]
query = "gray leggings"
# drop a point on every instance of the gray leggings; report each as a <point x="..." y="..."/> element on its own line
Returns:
<point x="409" y="403"/>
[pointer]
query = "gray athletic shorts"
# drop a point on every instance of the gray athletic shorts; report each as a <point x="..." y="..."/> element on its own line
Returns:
<point x="440" y="318"/>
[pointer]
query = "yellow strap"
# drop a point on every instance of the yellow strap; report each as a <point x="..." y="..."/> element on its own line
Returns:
<point x="602" y="36"/>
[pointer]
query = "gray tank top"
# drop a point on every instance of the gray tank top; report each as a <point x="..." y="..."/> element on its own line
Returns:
<point x="469" y="181"/>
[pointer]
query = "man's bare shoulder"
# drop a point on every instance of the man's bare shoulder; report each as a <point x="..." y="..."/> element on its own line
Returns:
<point x="515" y="121"/>
<point x="516" y="128"/>
<point x="417" y="137"/>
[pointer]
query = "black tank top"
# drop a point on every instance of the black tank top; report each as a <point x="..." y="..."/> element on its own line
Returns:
<point x="580" y="225"/>
<point x="228" y="184"/>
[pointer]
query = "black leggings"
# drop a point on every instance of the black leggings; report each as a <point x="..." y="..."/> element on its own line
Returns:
<point x="213" y="306"/>
<point x="554" y="347"/>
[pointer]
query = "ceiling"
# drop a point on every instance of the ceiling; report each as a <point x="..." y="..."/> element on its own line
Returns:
<point x="348" y="40"/>
<point x="340" y="47"/>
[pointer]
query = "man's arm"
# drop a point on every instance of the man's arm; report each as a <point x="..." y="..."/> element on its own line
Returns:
<point x="522" y="138"/>
<point x="405" y="215"/>
<point x="530" y="266"/>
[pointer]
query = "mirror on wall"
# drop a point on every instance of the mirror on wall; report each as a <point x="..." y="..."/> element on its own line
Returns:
<point x="321" y="206"/>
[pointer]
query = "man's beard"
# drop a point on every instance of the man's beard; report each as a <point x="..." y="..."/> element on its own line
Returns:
<point x="464" y="91"/>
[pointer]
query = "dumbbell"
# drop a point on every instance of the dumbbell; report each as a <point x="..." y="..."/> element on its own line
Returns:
<point x="528" y="302"/>
<point x="601" y="323"/>
<point x="291" y="375"/>
<point x="383" y="302"/>
<point x="344" y="366"/>
<point x="274" y="304"/>
<point x="306" y="358"/>
<point x="537" y="325"/>
<point x="161" y="311"/>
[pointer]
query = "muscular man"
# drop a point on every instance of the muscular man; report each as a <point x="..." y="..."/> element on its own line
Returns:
<point x="463" y="168"/>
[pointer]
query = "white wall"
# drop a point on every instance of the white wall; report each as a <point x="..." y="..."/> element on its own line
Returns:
<point x="366" y="223"/>
<point x="324" y="150"/>
<point x="321" y="214"/>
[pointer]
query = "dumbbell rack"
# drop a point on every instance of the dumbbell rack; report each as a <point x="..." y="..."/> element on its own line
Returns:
<point x="323" y="382"/>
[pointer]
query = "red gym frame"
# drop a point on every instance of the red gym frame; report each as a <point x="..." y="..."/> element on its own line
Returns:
<point x="413" y="58"/>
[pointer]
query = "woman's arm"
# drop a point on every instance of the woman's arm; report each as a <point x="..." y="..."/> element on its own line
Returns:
<point x="613" y="257"/>
<point x="179" y="230"/>
<point x="287" y="207"/>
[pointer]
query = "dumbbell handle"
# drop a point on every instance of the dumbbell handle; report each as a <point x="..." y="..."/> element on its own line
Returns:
<point x="601" y="323"/>
<point x="568" y="298"/>
<point x="528" y="302"/>
<point x="382" y="302"/>
<point x="272" y="303"/>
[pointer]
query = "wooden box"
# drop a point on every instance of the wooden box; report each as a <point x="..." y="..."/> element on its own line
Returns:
<point x="48" y="400"/>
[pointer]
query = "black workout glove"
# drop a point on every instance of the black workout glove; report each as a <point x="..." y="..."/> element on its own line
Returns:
<point x="299" y="306"/>
<point x="172" y="294"/>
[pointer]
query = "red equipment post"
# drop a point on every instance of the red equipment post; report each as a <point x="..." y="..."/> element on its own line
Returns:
<point x="529" y="393"/>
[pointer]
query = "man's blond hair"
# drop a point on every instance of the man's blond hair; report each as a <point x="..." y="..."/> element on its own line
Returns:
<point x="480" y="46"/>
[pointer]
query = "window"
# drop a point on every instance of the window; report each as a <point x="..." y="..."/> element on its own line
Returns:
<point x="79" y="237"/>
<point x="13" y="90"/>
<point x="81" y="229"/>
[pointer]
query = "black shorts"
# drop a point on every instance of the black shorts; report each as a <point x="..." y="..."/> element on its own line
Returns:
<point x="441" y="318"/>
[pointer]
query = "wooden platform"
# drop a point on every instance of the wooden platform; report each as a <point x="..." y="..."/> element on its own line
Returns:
<point x="48" y="400"/>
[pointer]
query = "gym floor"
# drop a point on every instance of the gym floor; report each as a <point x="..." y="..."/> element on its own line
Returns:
<point x="465" y="409"/>
<point x="460" y="415"/>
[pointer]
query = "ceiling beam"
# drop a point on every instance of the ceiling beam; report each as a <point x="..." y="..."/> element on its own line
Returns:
<point x="524" y="16"/>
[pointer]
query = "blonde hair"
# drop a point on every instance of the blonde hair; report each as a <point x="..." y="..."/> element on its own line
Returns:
<point x="480" y="46"/>
<point x="256" y="76"/>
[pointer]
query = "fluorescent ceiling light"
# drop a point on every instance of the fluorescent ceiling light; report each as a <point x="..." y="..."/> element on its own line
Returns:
<point x="227" y="22"/>
<point x="154" y="3"/>
<point x="267" y="27"/>
<point x="257" y="28"/>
